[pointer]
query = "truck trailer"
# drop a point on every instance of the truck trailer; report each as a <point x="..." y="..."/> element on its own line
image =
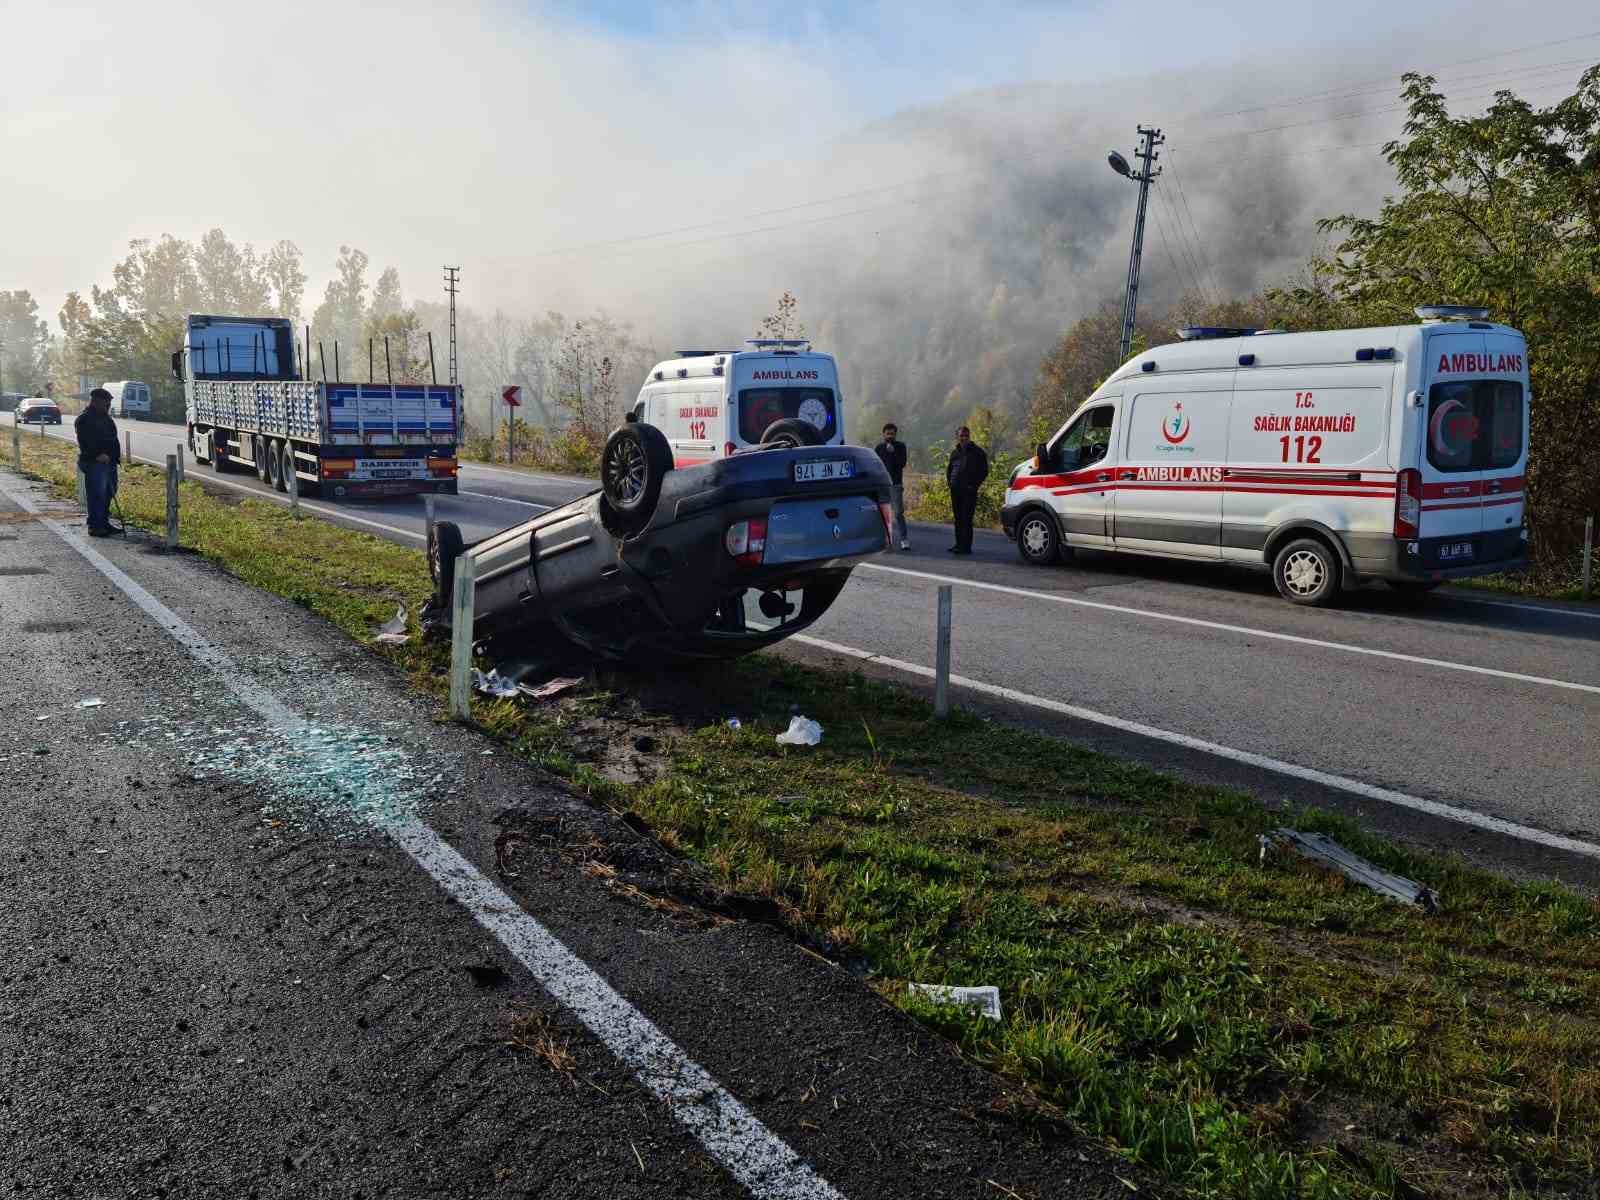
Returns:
<point x="250" y="404"/>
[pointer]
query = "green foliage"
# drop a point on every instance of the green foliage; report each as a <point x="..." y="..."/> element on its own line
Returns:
<point x="24" y="344"/>
<point x="1501" y="210"/>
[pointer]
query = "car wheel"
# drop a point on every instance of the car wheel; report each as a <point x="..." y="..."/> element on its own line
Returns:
<point x="1306" y="571"/>
<point x="1038" y="538"/>
<point x="789" y="433"/>
<point x="445" y="545"/>
<point x="633" y="464"/>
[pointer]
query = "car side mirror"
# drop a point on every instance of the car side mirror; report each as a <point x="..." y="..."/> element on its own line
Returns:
<point x="177" y="365"/>
<point x="1041" y="455"/>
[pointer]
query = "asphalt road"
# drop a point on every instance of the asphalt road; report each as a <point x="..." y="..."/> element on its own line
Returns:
<point x="1482" y="704"/>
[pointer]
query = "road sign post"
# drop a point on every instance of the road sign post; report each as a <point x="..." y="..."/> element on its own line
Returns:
<point x="461" y="602"/>
<point x="941" y="655"/>
<point x="512" y="395"/>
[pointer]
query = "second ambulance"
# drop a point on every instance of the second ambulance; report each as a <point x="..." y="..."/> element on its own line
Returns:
<point x="1328" y="458"/>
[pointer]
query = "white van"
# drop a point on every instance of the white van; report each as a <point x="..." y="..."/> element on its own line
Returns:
<point x="129" y="399"/>
<point x="714" y="403"/>
<point x="1328" y="458"/>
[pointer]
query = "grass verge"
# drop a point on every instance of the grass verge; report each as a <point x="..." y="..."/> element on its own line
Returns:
<point x="1250" y="1030"/>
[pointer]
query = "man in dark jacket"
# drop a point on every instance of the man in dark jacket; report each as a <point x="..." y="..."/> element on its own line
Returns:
<point x="98" y="456"/>
<point x="893" y="454"/>
<point x="968" y="468"/>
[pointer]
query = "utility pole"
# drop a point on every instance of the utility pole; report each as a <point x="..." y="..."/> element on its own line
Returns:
<point x="452" y="278"/>
<point x="1144" y="177"/>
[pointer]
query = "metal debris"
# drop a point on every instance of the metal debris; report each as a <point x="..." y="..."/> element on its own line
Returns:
<point x="984" y="1000"/>
<point x="1320" y="848"/>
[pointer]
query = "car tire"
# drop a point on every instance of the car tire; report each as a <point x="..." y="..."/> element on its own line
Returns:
<point x="633" y="465"/>
<point x="789" y="433"/>
<point x="445" y="545"/>
<point x="1038" y="538"/>
<point x="1306" y="571"/>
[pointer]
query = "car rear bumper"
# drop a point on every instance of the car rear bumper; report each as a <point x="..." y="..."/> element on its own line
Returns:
<point x="1435" y="560"/>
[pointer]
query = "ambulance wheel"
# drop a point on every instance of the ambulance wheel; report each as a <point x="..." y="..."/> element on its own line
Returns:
<point x="633" y="465"/>
<point x="1038" y="539"/>
<point x="791" y="432"/>
<point x="445" y="545"/>
<point x="1306" y="571"/>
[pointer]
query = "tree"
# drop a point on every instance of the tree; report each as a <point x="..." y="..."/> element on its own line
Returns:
<point x="785" y="322"/>
<point x="1500" y="210"/>
<point x="1087" y="353"/>
<point x="285" y="279"/>
<point x="230" y="280"/>
<point x="340" y="317"/>
<point x="386" y="298"/>
<point x="24" y="344"/>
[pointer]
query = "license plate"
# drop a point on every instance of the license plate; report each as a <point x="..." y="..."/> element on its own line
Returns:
<point x="1454" y="551"/>
<point x="827" y="468"/>
<point x="389" y="474"/>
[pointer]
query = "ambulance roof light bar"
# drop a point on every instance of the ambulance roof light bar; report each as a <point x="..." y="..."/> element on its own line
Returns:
<point x="765" y="343"/>
<point x="1451" y="312"/>
<point x="1195" y="333"/>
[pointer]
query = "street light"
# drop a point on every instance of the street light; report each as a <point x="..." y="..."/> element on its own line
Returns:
<point x="1151" y="138"/>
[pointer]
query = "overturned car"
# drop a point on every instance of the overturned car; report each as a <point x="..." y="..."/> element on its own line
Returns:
<point x="709" y="561"/>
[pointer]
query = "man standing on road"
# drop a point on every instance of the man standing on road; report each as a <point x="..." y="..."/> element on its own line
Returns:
<point x="893" y="454"/>
<point x="98" y="456"/>
<point x="967" y="469"/>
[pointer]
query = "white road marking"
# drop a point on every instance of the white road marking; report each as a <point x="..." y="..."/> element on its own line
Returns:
<point x="751" y="1152"/>
<point x="1548" y="609"/>
<point x="1249" y="631"/>
<point x="1449" y="812"/>
<point x="507" y="500"/>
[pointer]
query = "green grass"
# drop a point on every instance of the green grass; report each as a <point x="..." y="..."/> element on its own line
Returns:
<point x="1249" y="1030"/>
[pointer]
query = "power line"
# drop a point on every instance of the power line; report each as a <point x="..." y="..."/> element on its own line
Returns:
<point x="1184" y="248"/>
<point x="1198" y="244"/>
<point x="1166" y="245"/>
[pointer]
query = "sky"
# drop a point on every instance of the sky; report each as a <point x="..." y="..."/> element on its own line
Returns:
<point x="500" y="136"/>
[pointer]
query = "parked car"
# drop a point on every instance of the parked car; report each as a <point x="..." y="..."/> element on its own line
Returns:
<point x="38" y="411"/>
<point x="710" y="561"/>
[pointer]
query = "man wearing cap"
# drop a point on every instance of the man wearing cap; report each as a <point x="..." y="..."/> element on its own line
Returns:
<point x="98" y="456"/>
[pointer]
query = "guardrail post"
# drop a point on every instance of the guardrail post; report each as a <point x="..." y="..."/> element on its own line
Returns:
<point x="941" y="655"/>
<point x="461" y="605"/>
<point x="427" y="506"/>
<point x="291" y="480"/>
<point x="172" y="502"/>
<point x="1588" y="552"/>
<point x="16" y="444"/>
<point x="127" y="447"/>
<point x="180" y="462"/>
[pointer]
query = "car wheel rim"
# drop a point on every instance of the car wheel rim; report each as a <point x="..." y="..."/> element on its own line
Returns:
<point x="1303" y="573"/>
<point x="626" y="471"/>
<point x="1035" y="538"/>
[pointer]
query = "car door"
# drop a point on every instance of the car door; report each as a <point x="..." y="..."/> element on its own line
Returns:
<point x="1169" y="480"/>
<point x="1077" y="472"/>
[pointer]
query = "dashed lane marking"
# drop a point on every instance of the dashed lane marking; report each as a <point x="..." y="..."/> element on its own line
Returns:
<point x="1449" y="812"/>
<point x="750" y="1152"/>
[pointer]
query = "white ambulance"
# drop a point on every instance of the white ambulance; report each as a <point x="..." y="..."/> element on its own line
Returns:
<point x="714" y="403"/>
<point x="1328" y="458"/>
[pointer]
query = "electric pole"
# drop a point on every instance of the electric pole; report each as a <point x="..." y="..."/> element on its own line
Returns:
<point x="1144" y="177"/>
<point x="452" y="277"/>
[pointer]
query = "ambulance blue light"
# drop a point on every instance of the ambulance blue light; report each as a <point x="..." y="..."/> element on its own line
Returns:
<point x="1149" y="366"/>
<point x="1364" y="355"/>
<point x="1247" y="360"/>
<point x="1193" y="333"/>
<point x="1384" y="352"/>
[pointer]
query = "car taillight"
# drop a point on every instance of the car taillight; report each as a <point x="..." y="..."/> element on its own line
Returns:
<point x="727" y="449"/>
<point x="746" y="541"/>
<point x="1408" y="503"/>
<point x="886" y="511"/>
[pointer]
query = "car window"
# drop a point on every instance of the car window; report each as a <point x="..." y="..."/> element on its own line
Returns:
<point x="1474" y="425"/>
<point x="1086" y="440"/>
<point x="760" y="407"/>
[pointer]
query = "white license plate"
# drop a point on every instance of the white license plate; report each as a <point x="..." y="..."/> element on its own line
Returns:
<point x="1455" y="550"/>
<point x="827" y="468"/>
<point x="388" y="474"/>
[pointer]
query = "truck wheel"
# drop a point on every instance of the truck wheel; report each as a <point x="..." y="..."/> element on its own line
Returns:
<point x="444" y="547"/>
<point x="1038" y="538"/>
<point x="789" y="433"/>
<point x="1306" y="571"/>
<point x="633" y="464"/>
<point x="263" y="453"/>
<point x="282" y="458"/>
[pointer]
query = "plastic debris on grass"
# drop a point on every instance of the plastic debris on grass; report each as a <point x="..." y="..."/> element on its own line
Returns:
<point x="802" y="731"/>
<point x="493" y="684"/>
<point x="551" y="687"/>
<point x="1322" y="849"/>
<point x="985" y="1001"/>
<point x="89" y="702"/>
<point x="733" y="724"/>
<point x="393" y="631"/>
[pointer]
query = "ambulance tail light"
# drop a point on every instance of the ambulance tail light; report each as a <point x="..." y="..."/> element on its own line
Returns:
<point x="728" y="449"/>
<point x="746" y="541"/>
<point x="1408" y="503"/>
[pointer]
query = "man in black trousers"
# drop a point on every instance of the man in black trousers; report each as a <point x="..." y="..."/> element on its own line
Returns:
<point x="98" y="455"/>
<point x="967" y="469"/>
